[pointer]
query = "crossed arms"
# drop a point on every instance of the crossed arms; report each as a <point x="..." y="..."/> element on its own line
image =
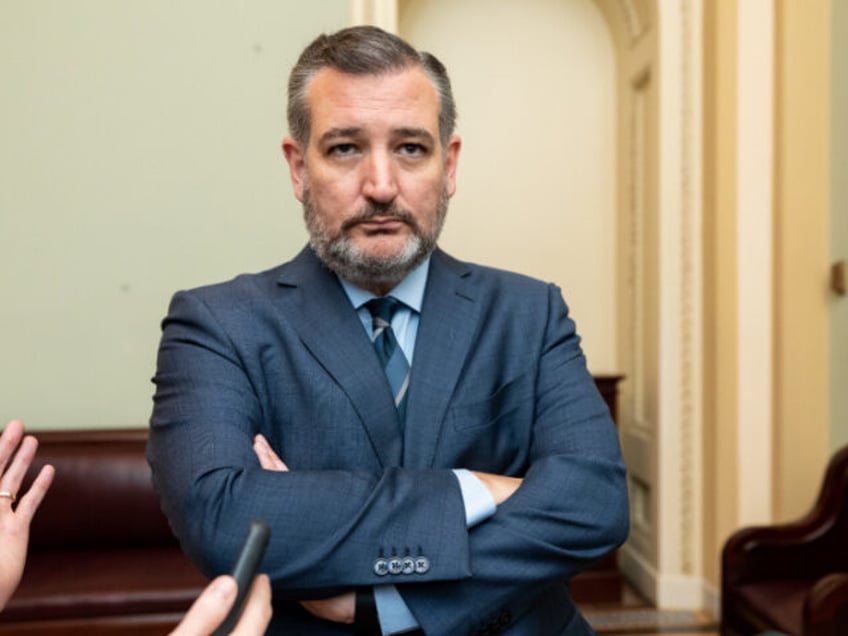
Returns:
<point x="220" y="385"/>
<point x="342" y="608"/>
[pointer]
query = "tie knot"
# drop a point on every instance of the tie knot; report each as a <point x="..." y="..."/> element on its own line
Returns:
<point x="383" y="308"/>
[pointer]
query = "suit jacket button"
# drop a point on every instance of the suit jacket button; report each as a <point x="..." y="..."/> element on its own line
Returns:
<point x="408" y="565"/>
<point x="395" y="565"/>
<point x="381" y="567"/>
<point x="422" y="565"/>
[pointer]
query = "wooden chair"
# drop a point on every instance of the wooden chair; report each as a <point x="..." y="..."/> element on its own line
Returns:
<point x="792" y="577"/>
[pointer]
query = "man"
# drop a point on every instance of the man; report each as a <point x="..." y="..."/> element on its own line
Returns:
<point x="449" y="477"/>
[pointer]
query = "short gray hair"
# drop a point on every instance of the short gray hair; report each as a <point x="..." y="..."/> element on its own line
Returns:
<point x="363" y="50"/>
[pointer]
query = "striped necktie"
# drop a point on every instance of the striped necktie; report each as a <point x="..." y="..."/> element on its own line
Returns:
<point x="388" y="350"/>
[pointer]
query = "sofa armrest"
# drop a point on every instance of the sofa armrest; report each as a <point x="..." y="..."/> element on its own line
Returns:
<point x="809" y="548"/>
<point x="796" y="551"/>
<point x="826" y="606"/>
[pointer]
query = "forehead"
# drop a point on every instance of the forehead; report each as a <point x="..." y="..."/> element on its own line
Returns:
<point x="399" y="99"/>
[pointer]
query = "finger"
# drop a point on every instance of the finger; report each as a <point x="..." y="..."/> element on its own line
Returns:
<point x="260" y="447"/>
<point x="273" y="458"/>
<point x="257" y="610"/>
<point x="28" y="504"/>
<point x="9" y="441"/>
<point x="339" y="609"/>
<point x="14" y="475"/>
<point x="313" y="607"/>
<point x="209" y="609"/>
<point x="260" y="444"/>
<point x="268" y="459"/>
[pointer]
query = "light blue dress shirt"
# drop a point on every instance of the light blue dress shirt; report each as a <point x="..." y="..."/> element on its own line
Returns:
<point x="479" y="504"/>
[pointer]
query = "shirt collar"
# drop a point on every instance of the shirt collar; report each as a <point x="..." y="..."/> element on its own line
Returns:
<point x="409" y="291"/>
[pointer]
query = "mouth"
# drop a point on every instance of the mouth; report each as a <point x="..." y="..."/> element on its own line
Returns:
<point x="381" y="224"/>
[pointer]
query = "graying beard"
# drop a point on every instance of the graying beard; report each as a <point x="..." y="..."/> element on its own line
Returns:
<point x="341" y="256"/>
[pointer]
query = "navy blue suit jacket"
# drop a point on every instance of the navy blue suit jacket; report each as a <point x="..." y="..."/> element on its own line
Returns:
<point x="499" y="384"/>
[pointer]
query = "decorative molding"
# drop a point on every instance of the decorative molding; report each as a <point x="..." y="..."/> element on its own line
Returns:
<point x="638" y="571"/>
<point x="711" y="602"/>
<point x="632" y="20"/>
<point x="381" y="13"/>
<point x="635" y="221"/>
<point x="663" y="590"/>
<point x="688" y="285"/>
<point x="639" y="428"/>
<point x="755" y="264"/>
<point x="673" y="432"/>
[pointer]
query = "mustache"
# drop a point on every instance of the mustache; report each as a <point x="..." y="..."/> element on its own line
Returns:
<point x="377" y="209"/>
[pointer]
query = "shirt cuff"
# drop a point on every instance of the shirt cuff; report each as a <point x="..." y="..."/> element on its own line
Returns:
<point x="479" y="503"/>
<point x="392" y="611"/>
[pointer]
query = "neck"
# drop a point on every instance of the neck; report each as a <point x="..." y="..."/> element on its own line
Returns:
<point x="381" y="290"/>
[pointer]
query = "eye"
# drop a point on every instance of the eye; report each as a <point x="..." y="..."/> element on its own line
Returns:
<point x="341" y="150"/>
<point x="412" y="149"/>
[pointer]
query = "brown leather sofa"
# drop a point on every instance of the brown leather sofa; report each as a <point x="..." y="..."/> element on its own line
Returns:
<point x="793" y="577"/>
<point x="102" y="558"/>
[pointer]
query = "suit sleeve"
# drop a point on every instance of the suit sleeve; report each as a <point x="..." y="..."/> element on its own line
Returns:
<point x="570" y="510"/>
<point x="324" y="523"/>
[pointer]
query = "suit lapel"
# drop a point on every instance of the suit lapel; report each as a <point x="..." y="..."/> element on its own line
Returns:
<point x="449" y="317"/>
<point x="314" y="301"/>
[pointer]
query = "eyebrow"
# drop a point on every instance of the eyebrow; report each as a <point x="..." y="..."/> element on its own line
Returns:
<point x="355" y="131"/>
<point x="335" y="133"/>
<point x="419" y="133"/>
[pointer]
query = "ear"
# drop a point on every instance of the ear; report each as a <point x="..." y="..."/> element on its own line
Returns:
<point x="451" y="160"/>
<point x="296" y="158"/>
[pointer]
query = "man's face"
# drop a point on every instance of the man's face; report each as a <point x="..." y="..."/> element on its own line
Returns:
<point x="374" y="178"/>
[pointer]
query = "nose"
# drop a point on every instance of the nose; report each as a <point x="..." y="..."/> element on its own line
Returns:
<point x="380" y="181"/>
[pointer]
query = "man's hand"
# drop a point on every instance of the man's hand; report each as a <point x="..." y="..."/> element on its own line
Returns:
<point x="500" y="486"/>
<point x="268" y="459"/>
<point x="339" y="609"/>
<point x="15" y="520"/>
<point x="212" y="606"/>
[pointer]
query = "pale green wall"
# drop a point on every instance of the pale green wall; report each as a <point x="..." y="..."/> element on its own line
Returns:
<point x="139" y="154"/>
<point x="839" y="224"/>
